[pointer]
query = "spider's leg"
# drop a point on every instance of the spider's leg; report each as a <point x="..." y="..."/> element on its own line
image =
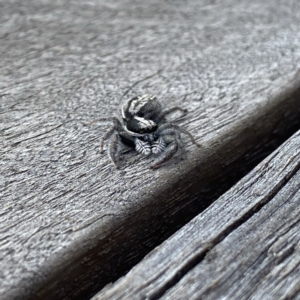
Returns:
<point x="117" y="126"/>
<point x="167" y="130"/>
<point x="181" y="146"/>
<point x="162" y="115"/>
<point x="169" y="137"/>
<point x="113" y="149"/>
<point x="180" y="129"/>
<point x="169" y="151"/>
<point x="106" y="136"/>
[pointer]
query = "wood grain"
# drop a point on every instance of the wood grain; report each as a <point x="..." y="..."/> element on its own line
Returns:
<point x="70" y="222"/>
<point x="246" y="245"/>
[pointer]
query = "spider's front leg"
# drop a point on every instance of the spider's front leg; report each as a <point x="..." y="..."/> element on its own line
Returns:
<point x="113" y="149"/>
<point x="178" y="129"/>
<point x="169" y="152"/>
<point x="106" y="136"/>
<point x="114" y="146"/>
<point x="116" y="127"/>
<point x="169" y="136"/>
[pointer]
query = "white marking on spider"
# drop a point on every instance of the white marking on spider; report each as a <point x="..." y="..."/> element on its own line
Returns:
<point x="158" y="146"/>
<point x="133" y="107"/>
<point x="142" y="147"/>
<point x="139" y="103"/>
<point x="143" y="123"/>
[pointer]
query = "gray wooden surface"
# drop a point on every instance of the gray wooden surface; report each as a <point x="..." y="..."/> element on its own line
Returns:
<point x="70" y="222"/>
<point x="246" y="245"/>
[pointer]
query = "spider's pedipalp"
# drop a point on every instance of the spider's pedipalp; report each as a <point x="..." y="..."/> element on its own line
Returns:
<point x="142" y="147"/>
<point x="158" y="146"/>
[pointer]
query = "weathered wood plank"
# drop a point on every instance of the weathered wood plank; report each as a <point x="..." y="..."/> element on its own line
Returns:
<point x="261" y="259"/>
<point x="69" y="221"/>
<point x="246" y="245"/>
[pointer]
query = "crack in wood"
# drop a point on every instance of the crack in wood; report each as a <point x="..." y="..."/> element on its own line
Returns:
<point x="142" y="80"/>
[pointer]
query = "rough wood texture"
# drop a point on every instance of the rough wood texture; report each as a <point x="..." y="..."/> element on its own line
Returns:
<point x="70" y="222"/>
<point x="246" y="245"/>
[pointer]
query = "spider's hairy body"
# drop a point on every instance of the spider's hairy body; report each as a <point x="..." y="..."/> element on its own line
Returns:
<point x="145" y="129"/>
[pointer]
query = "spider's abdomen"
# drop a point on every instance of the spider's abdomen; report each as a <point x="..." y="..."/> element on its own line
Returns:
<point x="144" y="106"/>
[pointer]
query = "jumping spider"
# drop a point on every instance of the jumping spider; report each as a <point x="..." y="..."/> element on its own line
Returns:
<point x="145" y="129"/>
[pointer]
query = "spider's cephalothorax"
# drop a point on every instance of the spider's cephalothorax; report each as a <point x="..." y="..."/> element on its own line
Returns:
<point x="145" y="128"/>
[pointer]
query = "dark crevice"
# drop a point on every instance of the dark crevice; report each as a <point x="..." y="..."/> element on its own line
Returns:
<point x="38" y="135"/>
<point x="198" y="258"/>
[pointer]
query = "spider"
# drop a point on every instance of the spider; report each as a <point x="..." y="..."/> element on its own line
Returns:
<point x="145" y="129"/>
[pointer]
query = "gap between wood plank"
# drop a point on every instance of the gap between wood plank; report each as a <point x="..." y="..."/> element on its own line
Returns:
<point x="200" y="256"/>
